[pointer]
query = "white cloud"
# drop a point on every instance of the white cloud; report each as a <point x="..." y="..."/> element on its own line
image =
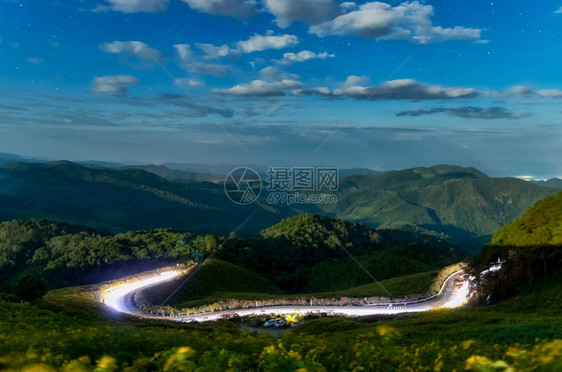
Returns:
<point x="271" y="73"/>
<point x="113" y="84"/>
<point x="239" y="9"/>
<point x="356" y="80"/>
<point x="135" y="48"/>
<point x="318" y="91"/>
<point x="189" y="83"/>
<point x="554" y="93"/>
<point x="468" y="112"/>
<point x="307" y="11"/>
<point x="261" y="88"/>
<point x="401" y="89"/>
<point x="35" y="60"/>
<point x="208" y="69"/>
<point x="258" y="43"/>
<point x="409" y="21"/>
<point x="439" y="33"/>
<point x="214" y="52"/>
<point x="526" y="91"/>
<point x="184" y="50"/>
<point x="194" y="63"/>
<point x="516" y="91"/>
<point x="348" y="6"/>
<point x="559" y="10"/>
<point x="303" y="56"/>
<point x="406" y="89"/>
<point x="134" y="6"/>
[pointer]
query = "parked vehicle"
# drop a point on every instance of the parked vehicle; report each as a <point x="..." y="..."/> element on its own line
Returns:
<point x="270" y="322"/>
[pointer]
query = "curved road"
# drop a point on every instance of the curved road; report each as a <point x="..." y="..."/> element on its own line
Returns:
<point x="453" y="293"/>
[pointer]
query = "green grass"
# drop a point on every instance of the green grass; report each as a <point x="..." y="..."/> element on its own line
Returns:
<point x="219" y="281"/>
<point x="399" y="287"/>
<point x="212" y="278"/>
<point x="515" y="332"/>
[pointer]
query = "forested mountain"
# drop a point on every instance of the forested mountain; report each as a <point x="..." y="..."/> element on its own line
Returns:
<point x="313" y="253"/>
<point x="120" y="200"/>
<point x="68" y="254"/>
<point x="305" y="252"/>
<point x="462" y="203"/>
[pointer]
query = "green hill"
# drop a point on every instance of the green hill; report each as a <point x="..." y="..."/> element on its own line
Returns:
<point x="531" y="247"/>
<point x="211" y="280"/>
<point x="314" y="253"/>
<point x="462" y="203"/>
<point x="540" y="225"/>
<point x="68" y="255"/>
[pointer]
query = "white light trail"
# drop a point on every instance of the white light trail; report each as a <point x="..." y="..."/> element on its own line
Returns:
<point x="114" y="297"/>
<point x="460" y="297"/>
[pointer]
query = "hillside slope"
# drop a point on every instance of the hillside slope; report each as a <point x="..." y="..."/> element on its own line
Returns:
<point x="212" y="279"/>
<point x="530" y="247"/>
<point x="314" y="253"/>
<point x="540" y="225"/>
<point x="119" y="200"/>
<point x="462" y="203"/>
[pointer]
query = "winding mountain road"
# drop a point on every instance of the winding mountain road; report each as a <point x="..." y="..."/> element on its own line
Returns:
<point x="454" y="292"/>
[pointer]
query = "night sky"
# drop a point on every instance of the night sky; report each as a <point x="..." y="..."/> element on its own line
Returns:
<point x="383" y="85"/>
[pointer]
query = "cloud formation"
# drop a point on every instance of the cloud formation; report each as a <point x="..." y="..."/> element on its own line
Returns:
<point x="184" y="50"/>
<point x="271" y="73"/>
<point x="258" y="43"/>
<point x="208" y="69"/>
<point x="303" y="56"/>
<point x="134" y="6"/>
<point x="188" y="83"/>
<point x="113" y="84"/>
<point x="401" y="89"/>
<point x="526" y="91"/>
<point x="261" y="88"/>
<point x="311" y="12"/>
<point x="134" y="48"/>
<point x="469" y="112"/>
<point x="409" y="21"/>
<point x="239" y="9"/>
<point x="215" y="52"/>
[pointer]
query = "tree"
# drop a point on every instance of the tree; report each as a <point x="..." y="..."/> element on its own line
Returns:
<point x="31" y="287"/>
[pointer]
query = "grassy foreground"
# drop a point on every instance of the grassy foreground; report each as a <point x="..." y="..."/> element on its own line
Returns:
<point x="56" y="334"/>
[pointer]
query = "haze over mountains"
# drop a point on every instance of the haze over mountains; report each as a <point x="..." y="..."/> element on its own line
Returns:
<point x="463" y="204"/>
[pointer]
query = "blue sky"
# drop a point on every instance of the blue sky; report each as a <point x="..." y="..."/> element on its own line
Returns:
<point x="383" y="85"/>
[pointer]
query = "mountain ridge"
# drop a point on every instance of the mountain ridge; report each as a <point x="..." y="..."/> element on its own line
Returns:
<point x="460" y="203"/>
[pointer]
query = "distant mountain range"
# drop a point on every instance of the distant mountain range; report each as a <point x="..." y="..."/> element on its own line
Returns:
<point x="118" y="200"/>
<point x="463" y="204"/>
<point x="553" y="182"/>
<point x="176" y="175"/>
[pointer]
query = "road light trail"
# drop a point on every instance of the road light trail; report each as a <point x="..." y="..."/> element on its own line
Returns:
<point x="454" y="293"/>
